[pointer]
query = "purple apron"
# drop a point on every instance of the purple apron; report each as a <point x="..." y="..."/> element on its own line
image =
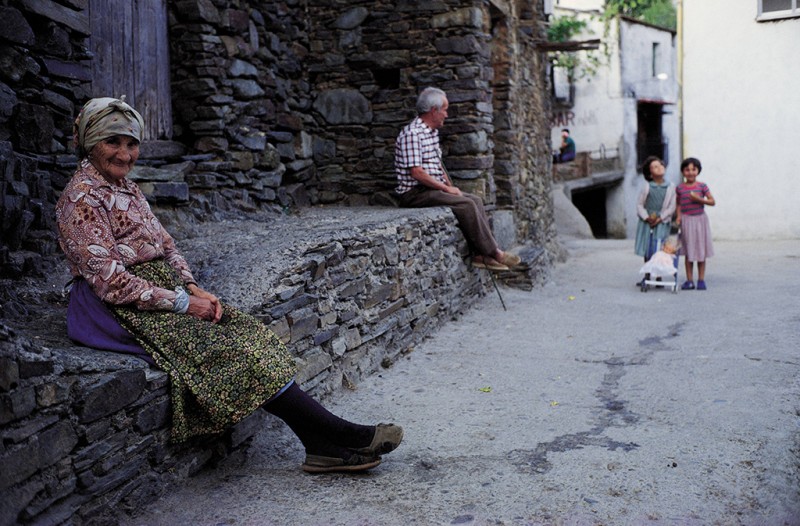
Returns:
<point x="90" y="323"/>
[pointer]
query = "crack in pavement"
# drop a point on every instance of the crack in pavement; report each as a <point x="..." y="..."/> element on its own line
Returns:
<point x="614" y="413"/>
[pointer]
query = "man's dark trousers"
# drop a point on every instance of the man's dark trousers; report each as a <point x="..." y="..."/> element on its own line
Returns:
<point x="469" y="212"/>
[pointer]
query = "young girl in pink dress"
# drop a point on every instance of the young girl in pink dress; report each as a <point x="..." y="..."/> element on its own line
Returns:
<point x="693" y="196"/>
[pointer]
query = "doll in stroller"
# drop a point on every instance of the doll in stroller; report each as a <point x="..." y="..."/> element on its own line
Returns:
<point x="662" y="264"/>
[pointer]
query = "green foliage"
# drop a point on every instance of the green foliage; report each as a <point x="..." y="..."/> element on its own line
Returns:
<point x="578" y="64"/>
<point x="657" y="12"/>
<point x="563" y="28"/>
<point x="661" y="14"/>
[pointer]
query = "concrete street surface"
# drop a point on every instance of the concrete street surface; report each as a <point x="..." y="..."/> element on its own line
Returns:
<point x="587" y="403"/>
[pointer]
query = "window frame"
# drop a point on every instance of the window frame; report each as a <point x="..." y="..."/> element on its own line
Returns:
<point x="792" y="12"/>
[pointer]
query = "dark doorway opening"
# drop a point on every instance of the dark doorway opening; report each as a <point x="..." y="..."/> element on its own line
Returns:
<point x="649" y="134"/>
<point x="591" y="202"/>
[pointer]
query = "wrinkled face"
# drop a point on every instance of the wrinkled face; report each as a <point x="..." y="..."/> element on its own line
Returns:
<point x="438" y="115"/>
<point x="690" y="173"/>
<point x="114" y="157"/>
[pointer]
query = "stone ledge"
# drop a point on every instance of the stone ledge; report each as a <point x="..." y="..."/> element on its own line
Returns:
<point x="85" y="433"/>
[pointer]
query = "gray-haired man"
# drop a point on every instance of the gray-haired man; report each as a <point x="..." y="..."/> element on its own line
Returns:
<point x="422" y="181"/>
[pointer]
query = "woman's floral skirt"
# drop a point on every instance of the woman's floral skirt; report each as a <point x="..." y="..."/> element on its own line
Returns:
<point x="220" y="372"/>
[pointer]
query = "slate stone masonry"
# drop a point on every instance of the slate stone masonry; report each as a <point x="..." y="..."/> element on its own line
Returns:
<point x="280" y="104"/>
<point x="85" y="433"/>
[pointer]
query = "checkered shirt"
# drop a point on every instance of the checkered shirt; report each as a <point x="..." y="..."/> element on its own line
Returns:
<point x="417" y="145"/>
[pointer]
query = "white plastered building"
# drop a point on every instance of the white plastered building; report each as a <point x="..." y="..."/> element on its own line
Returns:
<point x="741" y="112"/>
<point x="626" y="110"/>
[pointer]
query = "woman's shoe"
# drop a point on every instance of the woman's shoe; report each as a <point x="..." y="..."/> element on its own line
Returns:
<point x="701" y="285"/>
<point x="353" y="464"/>
<point x="387" y="437"/>
<point x="687" y="285"/>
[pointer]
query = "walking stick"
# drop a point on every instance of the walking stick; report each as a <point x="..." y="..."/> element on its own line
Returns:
<point x="491" y="274"/>
<point x="503" y="303"/>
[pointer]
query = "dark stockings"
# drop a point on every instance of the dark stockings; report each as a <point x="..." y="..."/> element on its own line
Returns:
<point x="320" y="431"/>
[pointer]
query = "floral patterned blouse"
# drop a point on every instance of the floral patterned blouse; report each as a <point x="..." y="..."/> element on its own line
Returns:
<point x="103" y="228"/>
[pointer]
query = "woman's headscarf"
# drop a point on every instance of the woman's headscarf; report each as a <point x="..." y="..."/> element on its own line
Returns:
<point x="102" y="118"/>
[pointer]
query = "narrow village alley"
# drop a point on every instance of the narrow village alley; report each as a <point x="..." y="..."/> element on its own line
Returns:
<point x="588" y="402"/>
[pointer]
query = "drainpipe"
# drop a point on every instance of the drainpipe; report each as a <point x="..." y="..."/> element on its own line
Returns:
<point x="680" y="80"/>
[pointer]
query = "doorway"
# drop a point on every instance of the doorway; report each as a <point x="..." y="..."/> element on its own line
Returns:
<point x="591" y="203"/>
<point x="649" y="132"/>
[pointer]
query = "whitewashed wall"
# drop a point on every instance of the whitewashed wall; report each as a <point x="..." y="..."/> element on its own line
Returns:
<point x="604" y="114"/>
<point x="596" y="119"/>
<point x="640" y="84"/>
<point x="742" y="116"/>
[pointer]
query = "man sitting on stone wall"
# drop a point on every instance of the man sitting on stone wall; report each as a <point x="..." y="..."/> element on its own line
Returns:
<point x="423" y="181"/>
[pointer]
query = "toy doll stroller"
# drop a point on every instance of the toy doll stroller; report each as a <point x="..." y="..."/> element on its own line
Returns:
<point x="659" y="264"/>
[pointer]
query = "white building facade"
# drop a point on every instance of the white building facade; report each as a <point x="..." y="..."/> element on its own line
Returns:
<point x="741" y="112"/>
<point x="628" y="109"/>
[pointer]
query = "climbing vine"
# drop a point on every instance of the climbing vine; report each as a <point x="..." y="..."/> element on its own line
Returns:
<point x="577" y="64"/>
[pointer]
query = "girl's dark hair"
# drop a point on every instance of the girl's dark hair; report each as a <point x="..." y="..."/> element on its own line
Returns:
<point x="646" y="166"/>
<point x="692" y="160"/>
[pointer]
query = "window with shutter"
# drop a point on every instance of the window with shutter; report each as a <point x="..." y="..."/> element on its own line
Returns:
<point x="131" y="57"/>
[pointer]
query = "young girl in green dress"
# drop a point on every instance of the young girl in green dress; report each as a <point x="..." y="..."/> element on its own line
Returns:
<point x="655" y="208"/>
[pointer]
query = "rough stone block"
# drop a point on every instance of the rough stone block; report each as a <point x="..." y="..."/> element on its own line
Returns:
<point x="56" y="442"/>
<point x="31" y="427"/>
<point x="312" y="365"/>
<point x="47" y="394"/>
<point x="167" y="192"/>
<point x="245" y="429"/>
<point x="29" y="368"/>
<point x="17" y="404"/>
<point x="465" y="17"/>
<point x="378" y="295"/>
<point x="109" y="395"/>
<point x="55" y="491"/>
<point x="9" y="373"/>
<point x="351" y="18"/>
<point x="19" y="464"/>
<point x="15" y="500"/>
<point x="392" y="308"/>
<point x="343" y="106"/>
<point x="15" y="28"/>
<point x="246" y="88"/>
<point x="295" y="303"/>
<point x="153" y="416"/>
<point x="100" y="485"/>
<point x="352" y="288"/>
<point x="352" y="338"/>
<point x="324" y="336"/>
<point x="302" y="326"/>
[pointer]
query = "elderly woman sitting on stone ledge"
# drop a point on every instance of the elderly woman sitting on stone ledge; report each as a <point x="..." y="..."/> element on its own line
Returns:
<point x="133" y="292"/>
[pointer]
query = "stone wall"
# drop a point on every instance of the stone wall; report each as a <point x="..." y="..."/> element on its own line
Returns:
<point x="85" y="433"/>
<point x="281" y="104"/>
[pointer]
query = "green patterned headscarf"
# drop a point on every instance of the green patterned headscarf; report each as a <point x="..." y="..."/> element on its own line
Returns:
<point x="103" y="118"/>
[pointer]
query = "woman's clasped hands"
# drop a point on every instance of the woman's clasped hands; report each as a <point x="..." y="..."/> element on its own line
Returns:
<point x="204" y="305"/>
